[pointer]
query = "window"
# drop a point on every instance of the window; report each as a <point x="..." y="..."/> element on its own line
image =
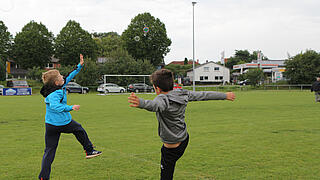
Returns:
<point x="201" y="78"/>
<point x="206" y="78"/>
<point x="221" y="77"/>
<point x="206" y="69"/>
<point x="216" y="68"/>
<point x="49" y="65"/>
<point x="216" y="78"/>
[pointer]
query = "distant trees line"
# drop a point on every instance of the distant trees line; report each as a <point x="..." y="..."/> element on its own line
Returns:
<point x="138" y="50"/>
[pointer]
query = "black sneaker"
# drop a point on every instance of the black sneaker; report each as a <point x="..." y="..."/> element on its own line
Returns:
<point x="92" y="154"/>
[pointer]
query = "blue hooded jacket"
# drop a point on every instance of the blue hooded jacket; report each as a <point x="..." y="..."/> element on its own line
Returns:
<point x="57" y="110"/>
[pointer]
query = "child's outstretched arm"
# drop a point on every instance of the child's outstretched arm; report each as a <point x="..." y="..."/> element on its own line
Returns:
<point x="158" y="104"/>
<point x="72" y="74"/>
<point x="134" y="100"/>
<point x="210" y="95"/>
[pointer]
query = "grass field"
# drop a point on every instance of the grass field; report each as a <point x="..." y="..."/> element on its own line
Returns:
<point x="262" y="135"/>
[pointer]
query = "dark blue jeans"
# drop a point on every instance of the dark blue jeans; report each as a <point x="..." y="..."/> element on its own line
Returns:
<point x="52" y="139"/>
<point x="169" y="157"/>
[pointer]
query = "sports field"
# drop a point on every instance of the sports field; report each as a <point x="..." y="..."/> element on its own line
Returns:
<point x="261" y="135"/>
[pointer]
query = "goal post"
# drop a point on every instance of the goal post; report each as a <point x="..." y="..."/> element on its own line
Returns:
<point x="105" y="77"/>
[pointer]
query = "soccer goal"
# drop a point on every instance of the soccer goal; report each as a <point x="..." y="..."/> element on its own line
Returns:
<point x="138" y="83"/>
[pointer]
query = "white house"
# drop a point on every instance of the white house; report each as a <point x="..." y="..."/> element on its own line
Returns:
<point x="210" y="72"/>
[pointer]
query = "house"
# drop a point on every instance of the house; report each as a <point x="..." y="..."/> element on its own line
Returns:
<point x="54" y="64"/>
<point x="18" y="73"/>
<point x="272" y="68"/>
<point x="210" y="72"/>
<point x="15" y="71"/>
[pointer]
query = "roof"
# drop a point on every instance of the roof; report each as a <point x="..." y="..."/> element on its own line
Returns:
<point x="206" y="64"/>
<point x="54" y="60"/>
<point x="182" y="62"/>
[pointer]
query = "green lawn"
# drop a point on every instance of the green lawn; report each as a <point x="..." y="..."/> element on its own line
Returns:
<point x="262" y="135"/>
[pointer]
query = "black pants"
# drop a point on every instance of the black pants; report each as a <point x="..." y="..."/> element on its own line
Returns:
<point x="52" y="138"/>
<point x="169" y="157"/>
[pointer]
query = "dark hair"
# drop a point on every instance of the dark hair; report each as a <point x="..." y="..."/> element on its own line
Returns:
<point x="163" y="79"/>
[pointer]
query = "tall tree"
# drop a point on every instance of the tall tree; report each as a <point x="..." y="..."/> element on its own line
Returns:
<point x="104" y="34"/>
<point x="303" y="68"/>
<point x="33" y="46"/>
<point x="255" y="76"/>
<point x="122" y="63"/>
<point x="146" y="38"/>
<point x="72" y="41"/>
<point x="5" y="41"/>
<point x="89" y="74"/>
<point x="107" y="44"/>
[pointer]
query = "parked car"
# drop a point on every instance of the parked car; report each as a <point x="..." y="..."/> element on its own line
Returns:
<point x="73" y="87"/>
<point x="140" y="87"/>
<point x="17" y="83"/>
<point x="1" y="89"/>
<point x="110" y="87"/>
<point x="244" y="82"/>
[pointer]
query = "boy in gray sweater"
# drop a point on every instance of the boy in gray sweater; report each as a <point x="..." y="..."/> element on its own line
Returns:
<point x="170" y="106"/>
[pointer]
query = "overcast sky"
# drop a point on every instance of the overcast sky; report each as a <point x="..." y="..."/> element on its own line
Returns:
<point x="276" y="27"/>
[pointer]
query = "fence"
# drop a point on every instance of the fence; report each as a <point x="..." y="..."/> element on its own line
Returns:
<point x="287" y="87"/>
<point x="246" y="88"/>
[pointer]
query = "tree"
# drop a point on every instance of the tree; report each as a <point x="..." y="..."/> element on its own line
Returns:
<point x="242" y="56"/>
<point x="122" y="63"/>
<point x="33" y="46"/>
<point x="72" y="41"/>
<point x="5" y="41"/>
<point x="89" y="74"/>
<point x="2" y="70"/>
<point x="35" y="73"/>
<point x="107" y="44"/>
<point x="254" y="76"/>
<point x="152" y="45"/>
<point x="104" y="34"/>
<point x="179" y="70"/>
<point x="303" y="68"/>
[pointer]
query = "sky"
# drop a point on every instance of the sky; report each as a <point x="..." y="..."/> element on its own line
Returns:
<point x="276" y="27"/>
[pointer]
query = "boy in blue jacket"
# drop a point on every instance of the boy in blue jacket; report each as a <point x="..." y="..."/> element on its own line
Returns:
<point x="58" y="118"/>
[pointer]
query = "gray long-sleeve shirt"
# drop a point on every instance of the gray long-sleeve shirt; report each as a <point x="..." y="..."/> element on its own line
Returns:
<point x="170" y="110"/>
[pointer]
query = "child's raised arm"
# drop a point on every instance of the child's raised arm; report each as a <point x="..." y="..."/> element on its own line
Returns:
<point x="81" y="60"/>
<point x="72" y="74"/>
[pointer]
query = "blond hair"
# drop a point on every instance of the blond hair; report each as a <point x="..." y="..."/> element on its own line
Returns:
<point x="50" y="76"/>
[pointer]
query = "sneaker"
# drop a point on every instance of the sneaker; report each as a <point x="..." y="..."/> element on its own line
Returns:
<point x="92" y="154"/>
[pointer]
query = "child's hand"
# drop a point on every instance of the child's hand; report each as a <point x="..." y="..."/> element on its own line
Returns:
<point x="76" y="107"/>
<point x="134" y="100"/>
<point x="81" y="59"/>
<point x="230" y="96"/>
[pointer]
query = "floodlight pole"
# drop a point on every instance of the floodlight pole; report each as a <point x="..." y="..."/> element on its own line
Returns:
<point x="194" y="78"/>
